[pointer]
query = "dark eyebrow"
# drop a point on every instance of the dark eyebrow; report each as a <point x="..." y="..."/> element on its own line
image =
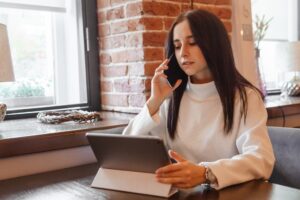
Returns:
<point x="187" y="37"/>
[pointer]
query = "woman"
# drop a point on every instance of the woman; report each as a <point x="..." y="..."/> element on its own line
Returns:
<point x="213" y="119"/>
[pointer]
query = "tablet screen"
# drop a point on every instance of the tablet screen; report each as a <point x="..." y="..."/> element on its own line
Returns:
<point x="131" y="153"/>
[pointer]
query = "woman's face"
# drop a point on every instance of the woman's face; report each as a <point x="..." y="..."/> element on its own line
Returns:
<point x="189" y="55"/>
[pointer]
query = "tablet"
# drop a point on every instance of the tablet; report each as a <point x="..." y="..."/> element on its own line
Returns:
<point x="130" y="153"/>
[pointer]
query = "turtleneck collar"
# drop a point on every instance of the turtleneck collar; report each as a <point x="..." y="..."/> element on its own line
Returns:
<point x="201" y="91"/>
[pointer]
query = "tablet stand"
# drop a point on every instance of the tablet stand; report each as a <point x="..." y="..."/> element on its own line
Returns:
<point x="129" y="181"/>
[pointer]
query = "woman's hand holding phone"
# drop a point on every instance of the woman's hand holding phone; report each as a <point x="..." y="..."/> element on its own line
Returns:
<point x="160" y="88"/>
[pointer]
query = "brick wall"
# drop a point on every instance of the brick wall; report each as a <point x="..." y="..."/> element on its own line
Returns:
<point x="132" y="35"/>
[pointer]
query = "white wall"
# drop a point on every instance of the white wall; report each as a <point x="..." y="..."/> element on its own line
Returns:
<point x="242" y="41"/>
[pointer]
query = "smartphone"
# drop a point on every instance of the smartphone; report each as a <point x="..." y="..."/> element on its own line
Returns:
<point x="174" y="72"/>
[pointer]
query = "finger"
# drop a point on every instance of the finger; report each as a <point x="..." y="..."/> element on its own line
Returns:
<point x="163" y="75"/>
<point x="182" y="185"/>
<point x="176" y="156"/>
<point x="161" y="69"/>
<point x="173" y="174"/>
<point x="178" y="82"/>
<point x="173" y="180"/>
<point x="169" y="168"/>
<point x="162" y="65"/>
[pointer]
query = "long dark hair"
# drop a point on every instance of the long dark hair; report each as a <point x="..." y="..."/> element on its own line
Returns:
<point x="211" y="36"/>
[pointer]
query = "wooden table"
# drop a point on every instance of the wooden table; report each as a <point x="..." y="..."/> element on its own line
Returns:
<point x="74" y="183"/>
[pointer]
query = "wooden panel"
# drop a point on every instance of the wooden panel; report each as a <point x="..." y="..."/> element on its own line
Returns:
<point x="56" y="138"/>
<point x="74" y="183"/>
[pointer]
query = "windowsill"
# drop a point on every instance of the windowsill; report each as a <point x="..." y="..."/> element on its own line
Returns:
<point x="25" y="136"/>
<point x="283" y="110"/>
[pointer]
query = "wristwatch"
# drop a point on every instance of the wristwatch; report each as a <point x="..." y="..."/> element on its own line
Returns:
<point x="210" y="178"/>
<point x="207" y="180"/>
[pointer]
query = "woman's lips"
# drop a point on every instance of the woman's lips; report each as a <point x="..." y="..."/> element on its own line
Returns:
<point x="187" y="63"/>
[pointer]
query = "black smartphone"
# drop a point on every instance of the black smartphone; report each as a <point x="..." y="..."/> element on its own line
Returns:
<point x="174" y="72"/>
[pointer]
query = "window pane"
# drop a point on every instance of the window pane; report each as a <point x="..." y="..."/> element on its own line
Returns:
<point x="279" y="47"/>
<point x="48" y="57"/>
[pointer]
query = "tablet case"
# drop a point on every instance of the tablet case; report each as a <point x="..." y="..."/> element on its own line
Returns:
<point x="128" y="163"/>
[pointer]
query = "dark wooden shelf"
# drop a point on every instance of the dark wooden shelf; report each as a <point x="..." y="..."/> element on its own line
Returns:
<point x="25" y="136"/>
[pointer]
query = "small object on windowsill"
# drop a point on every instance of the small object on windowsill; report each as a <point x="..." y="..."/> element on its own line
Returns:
<point x="78" y="116"/>
<point x="2" y="111"/>
<point x="291" y="88"/>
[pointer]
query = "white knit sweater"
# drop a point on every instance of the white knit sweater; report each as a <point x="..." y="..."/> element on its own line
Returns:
<point x="244" y="154"/>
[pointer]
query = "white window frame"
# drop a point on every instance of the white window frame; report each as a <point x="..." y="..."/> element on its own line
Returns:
<point x="88" y="32"/>
<point x="64" y="86"/>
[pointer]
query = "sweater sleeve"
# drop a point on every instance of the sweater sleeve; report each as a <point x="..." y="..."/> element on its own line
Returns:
<point x="145" y="124"/>
<point x="256" y="158"/>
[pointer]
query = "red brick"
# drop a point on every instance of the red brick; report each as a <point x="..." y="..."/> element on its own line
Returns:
<point x="161" y="9"/>
<point x="136" y="69"/>
<point x="104" y="30"/>
<point x="132" y="85"/>
<point x="116" y="2"/>
<point x="128" y="56"/>
<point x="205" y="1"/>
<point x="105" y="58"/>
<point x="101" y="17"/>
<point x="106" y="86"/>
<point x="136" y="25"/>
<point x="223" y="2"/>
<point x="138" y="100"/>
<point x="186" y="7"/>
<point x="208" y="8"/>
<point x="153" y="54"/>
<point x="103" y="3"/>
<point x="115" y="13"/>
<point x="179" y="1"/>
<point x="134" y="40"/>
<point x="114" y="71"/>
<point x="139" y="85"/>
<point x="121" y="85"/>
<point x="135" y="55"/>
<point x="113" y="42"/>
<point x="221" y="12"/>
<point x="119" y="56"/>
<point x="115" y="100"/>
<point x="134" y="9"/>
<point x="148" y="85"/>
<point x="143" y="69"/>
<point x="152" y="8"/>
<point x="168" y="23"/>
<point x="119" y="27"/>
<point x="228" y="25"/>
<point x="145" y="23"/>
<point x="150" y="68"/>
<point x="156" y="39"/>
<point x="152" y="23"/>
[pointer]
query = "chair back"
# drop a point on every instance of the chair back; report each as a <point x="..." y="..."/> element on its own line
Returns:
<point x="286" y="145"/>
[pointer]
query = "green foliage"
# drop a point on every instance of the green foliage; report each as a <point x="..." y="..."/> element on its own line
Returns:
<point x="22" y="89"/>
<point x="261" y="25"/>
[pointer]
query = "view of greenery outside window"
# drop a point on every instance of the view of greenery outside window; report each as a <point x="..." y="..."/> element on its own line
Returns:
<point x="30" y="38"/>
<point x="47" y="42"/>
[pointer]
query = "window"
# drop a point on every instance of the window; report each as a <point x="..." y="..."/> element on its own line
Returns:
<point x="55" y="55"/>
<point x="280" y="47"/>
